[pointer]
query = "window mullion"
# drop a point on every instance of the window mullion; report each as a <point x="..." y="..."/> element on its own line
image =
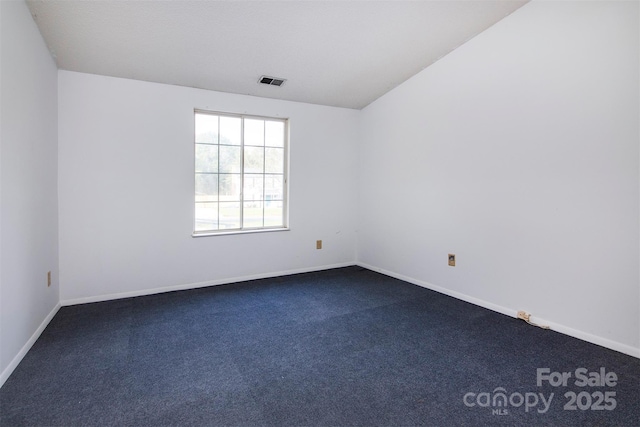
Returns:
<point x="264" y="167"/>
<point x="242" y="173"/>
<point x="218" y="170"/>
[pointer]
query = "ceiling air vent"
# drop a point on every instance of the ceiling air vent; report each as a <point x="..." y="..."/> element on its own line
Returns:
<point x="273" y="81"/>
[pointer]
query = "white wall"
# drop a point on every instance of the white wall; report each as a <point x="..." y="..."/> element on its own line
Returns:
<point x="518" y="152"/>
<point x="28" y="185"/>
<point x="126" y="190"/>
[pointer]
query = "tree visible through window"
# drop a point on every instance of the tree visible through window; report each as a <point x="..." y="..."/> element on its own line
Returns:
<point x="240" y="172"/>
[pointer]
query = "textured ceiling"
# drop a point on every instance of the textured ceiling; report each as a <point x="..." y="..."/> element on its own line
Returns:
<point x="339" y="53"/>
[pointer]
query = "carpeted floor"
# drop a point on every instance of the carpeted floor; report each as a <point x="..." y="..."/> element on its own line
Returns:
<point x="344" y="347"/>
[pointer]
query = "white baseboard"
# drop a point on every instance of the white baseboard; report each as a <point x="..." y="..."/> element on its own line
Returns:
<point x="108" y="297"/>
<point x="25" y="348"/>
<point x="604" y="342"/>
<point x="584" y="336"/>
<point x="594" y="339"/>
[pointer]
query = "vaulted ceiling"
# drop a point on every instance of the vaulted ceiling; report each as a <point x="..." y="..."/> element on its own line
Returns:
<point x="338" y="53"/>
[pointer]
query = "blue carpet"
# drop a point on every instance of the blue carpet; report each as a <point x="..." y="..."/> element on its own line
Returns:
<point x="344" y="347"/>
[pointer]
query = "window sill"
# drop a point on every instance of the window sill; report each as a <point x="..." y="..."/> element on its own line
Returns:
<point x="226" y="233"/>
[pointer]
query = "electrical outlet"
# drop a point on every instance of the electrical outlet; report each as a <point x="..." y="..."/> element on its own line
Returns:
<point x="318" y="244"/>
<point x="48" y="278"/>
<point x="452" y="260"/>
<point x="524" y="316"/>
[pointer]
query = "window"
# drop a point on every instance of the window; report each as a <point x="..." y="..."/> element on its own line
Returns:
<point x="240" y="173"/>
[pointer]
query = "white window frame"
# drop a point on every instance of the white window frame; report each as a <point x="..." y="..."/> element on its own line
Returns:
<point x="285" y="173"/>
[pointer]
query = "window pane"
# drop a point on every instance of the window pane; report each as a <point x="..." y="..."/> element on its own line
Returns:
<point x="254" y="132"/>
<point x="229" y="159"/>
<point x="206" y="128"/>
<point x="206" y="216"/>
<point x="274" y="160"/>
<point x="274" y="134"/>
<point x="206" y="158"/>
<point x="229" y="215"/>
<point x="206" y="188"/>
<point x="253" y="159"/>
<point x="230" y="130"/>
<point x="253" y="187"/>
<point x="273" y="214"/>
<point x="274" y="187"/>
<point x="229" y="187"/>
<point x="252" y="214"/>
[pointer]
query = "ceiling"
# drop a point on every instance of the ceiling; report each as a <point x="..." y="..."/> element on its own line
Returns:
<point x="338" y="53"/>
